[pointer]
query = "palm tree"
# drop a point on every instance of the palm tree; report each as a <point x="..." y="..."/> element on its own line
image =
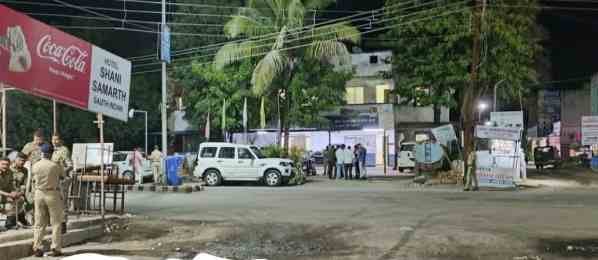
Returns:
<point x="277" y="34"/>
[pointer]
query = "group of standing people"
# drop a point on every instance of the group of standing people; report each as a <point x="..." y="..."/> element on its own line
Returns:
<point x="342" y="161"/>
<point x="45" y="187"/>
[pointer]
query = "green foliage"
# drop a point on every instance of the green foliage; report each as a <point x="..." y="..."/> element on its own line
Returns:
<point x="296" y="155"/>
<point x="433" y="55"/>
<point x="205" y="88"/>
<point x="272" y="151"/>
<point x="284" y="45"/>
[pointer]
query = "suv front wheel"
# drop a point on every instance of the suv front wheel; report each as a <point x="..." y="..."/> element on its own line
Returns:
<point x="272" y="178"/>
<point x="212" y="178"/>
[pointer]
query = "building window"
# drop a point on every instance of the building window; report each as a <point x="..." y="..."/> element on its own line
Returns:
<point x="382" y="93"/>
<point x="374" y="59"/>
<point x="355" y="95"/>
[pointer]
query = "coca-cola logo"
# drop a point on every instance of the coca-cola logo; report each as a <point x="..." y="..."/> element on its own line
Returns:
<point x="71" y="57"/>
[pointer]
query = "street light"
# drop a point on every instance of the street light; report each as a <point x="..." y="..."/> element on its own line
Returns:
<point x="481" y="107"/>
<point x="132" y="114"/>
<point x="495" y="87"/>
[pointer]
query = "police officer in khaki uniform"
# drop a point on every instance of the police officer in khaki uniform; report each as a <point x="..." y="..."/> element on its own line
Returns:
<point x="156" y="159"/>
<point x="20" y="176"/>
<point x="48" y="202"/>
<point x="9" y="195"/>
<point x="471" y="176"/>
<point x="62" y="156"/>
<point x="31" y="149"/>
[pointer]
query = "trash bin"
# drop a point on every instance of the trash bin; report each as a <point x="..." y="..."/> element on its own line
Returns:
<point x="173" y="165"/>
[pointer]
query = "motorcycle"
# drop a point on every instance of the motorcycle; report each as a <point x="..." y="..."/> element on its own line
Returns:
<point x="309" y="167"/>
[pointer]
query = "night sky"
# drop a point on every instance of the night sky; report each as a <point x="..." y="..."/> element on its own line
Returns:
<point x="572" y="28"/>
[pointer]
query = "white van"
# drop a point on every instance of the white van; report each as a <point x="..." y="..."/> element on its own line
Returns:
<point x="218" y="162"/>
<point x="406" y="159"/>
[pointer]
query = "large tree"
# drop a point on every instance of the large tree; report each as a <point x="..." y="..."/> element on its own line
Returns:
<point x="277" y="34"/>
<point x="433" y="56"/>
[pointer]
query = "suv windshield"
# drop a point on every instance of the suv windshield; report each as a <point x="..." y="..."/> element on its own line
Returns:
<point x="257" y="152"/>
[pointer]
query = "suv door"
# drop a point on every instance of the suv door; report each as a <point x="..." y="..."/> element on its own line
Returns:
<point x="206" y="159"/>
<point x="226" y="162"/>
<point x="246" y="165"/>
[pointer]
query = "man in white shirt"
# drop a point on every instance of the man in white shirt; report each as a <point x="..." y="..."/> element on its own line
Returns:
<point x="340" y="162"/>
<point x="349" y="163"/>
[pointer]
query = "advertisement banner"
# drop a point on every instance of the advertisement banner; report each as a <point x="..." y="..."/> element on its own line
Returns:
<point x="496" y="177"/>
<point x="500" y="133"/>
<point x="444" y="134"/>
<point x="496" y="171"/>
<point x="589" y="130"/>
<point x="44" y="61"/>
<point x="507" y="119"/>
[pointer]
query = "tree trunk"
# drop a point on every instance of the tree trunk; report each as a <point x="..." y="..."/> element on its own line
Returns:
<point x="470" y="93"/>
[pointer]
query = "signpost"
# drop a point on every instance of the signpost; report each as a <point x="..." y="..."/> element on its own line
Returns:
<point x="496" y="170"/>
<point x="507" y="119"/>
<point x="500" y="133"/>
<point x="44" y="61"/>
<point x="444" y="134"/>
<point x="589" y="130"/>
<point x="47" y="62"/>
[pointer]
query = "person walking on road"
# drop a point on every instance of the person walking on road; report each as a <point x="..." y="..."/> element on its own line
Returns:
<point x="48" y="202"/>
<point x="9" y="195"/>
<point x="348" y="158"/>
<point x="472" y="179"/>
<point x="331" y="155"/>
<point x="156" y="159"/>
<point x="325" y="161"/>
<point x="362" y="156"/>
<point x="340" y="162"/>
<point x="356" y="161"/>
<point x="137" y="162"/>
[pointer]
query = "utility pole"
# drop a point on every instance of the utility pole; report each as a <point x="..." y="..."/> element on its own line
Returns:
<point x="164" y="105"/>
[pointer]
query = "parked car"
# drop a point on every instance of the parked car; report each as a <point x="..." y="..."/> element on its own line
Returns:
<point x="219" y="162"/>
<point x="318" y="157"/>
<point x="406" y="157"/>
<point x="546" y="156"/>
<point x="122" y="160"/>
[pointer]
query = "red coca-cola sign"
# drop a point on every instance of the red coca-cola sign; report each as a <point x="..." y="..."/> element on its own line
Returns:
<point x="47" y="62"/>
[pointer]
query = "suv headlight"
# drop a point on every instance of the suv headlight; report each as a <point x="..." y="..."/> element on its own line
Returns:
<point x="285" y="164"/>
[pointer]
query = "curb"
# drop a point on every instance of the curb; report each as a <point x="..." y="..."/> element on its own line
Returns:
<point x="18" y="245"/>
<point x="187" y="188"/>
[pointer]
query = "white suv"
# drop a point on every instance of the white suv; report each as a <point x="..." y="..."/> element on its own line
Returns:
<point x="218" y="162"/>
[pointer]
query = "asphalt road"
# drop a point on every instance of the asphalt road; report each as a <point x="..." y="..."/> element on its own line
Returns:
<point x="361" y="220"/>
<point x="394" y="217"/>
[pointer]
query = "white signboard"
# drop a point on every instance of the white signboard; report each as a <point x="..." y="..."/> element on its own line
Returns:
<point x="444" y="134"/>
<point x="589" y="130"/>
<point x="499" y="133"/>
<point x="496" y="171"/>
<point x="88" y="155"/>
<point x="507" y="119"/>
<point x="109" y="84"/>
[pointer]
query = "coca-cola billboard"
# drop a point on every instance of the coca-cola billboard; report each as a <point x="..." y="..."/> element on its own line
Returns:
<point x="47" y="62"/>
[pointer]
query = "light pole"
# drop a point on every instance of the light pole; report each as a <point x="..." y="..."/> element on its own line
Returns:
<point x="4" y="117"/>
<point x="132" y="114"/>
<point x="495" y="87"/>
